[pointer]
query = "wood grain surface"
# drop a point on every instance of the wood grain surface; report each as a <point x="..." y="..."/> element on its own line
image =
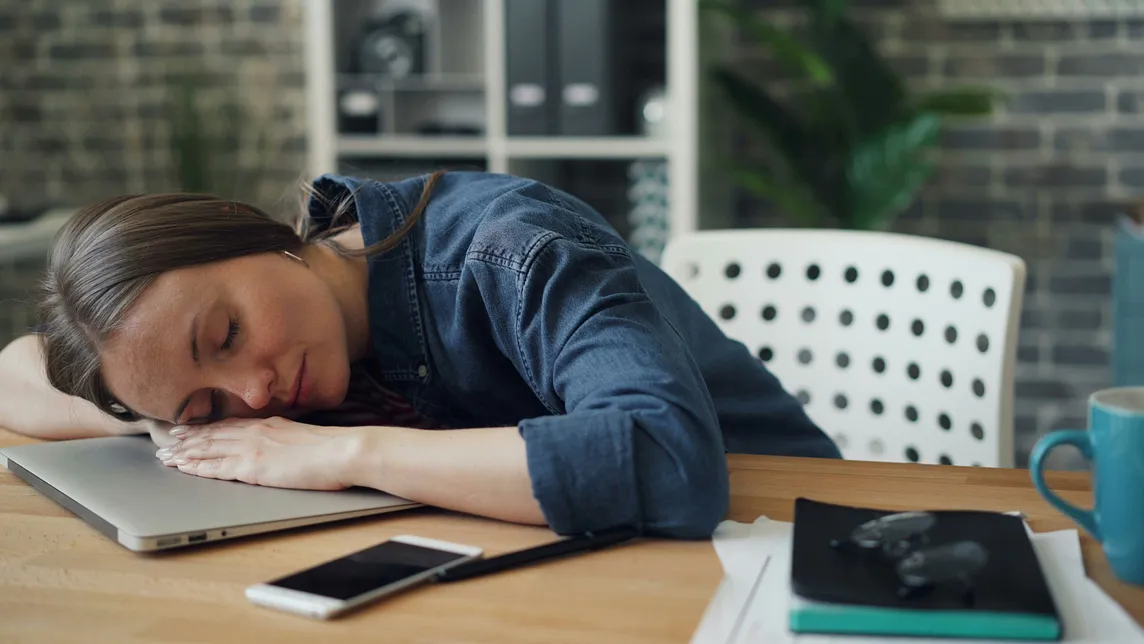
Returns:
<point x="62" y="581"/>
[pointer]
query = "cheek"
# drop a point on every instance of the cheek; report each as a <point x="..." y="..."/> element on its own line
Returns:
<point x="273" y="336"/>
<point x="274" y="323"/>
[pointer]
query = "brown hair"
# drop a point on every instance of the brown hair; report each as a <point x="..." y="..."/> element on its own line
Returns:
<point x="109" y="252"/>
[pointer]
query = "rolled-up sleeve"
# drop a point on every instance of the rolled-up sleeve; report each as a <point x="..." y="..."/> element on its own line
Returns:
<point x="635" y="439"/>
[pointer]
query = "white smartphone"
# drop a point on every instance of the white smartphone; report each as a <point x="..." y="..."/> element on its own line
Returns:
<point x="336" y="586"/>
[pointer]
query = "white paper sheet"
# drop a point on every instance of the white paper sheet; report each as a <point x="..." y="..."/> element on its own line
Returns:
<point x="751" y="603"/>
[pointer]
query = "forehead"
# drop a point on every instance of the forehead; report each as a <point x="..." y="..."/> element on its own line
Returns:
<point x="147" y="361"/>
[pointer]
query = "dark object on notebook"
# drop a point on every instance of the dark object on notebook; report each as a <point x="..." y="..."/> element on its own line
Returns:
<point x="925" y="570"/>
<point x="901" y="540"/>
<point x="941" y="573"/>
<point x="893" y="534"/>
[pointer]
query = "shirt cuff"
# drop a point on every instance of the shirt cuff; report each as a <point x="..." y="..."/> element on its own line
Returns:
<point x="583" y="470"/>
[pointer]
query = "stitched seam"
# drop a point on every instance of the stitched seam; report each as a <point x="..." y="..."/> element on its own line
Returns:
<point x="441" y="276"/>
<point x="523" y="277"/>
<point x="409" y="270"/>
<point x="491" y="257"/>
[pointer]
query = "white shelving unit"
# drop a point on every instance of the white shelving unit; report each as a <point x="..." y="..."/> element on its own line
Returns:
<point x="476" y="73"/>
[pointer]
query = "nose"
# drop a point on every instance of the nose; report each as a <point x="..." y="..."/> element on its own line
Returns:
<point x="254" y="388"/>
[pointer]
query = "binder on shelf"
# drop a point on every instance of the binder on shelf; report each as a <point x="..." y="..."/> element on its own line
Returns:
<point x="531" y="87"/>
<point x="587" y="55"/>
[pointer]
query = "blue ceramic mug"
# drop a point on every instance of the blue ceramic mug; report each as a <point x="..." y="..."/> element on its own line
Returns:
<point x="1114" y="445"/>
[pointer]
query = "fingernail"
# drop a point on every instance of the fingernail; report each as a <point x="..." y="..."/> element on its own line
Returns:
<point x="182" y="460"/>
<point x="178" y="431"/>
<point x="164" y="454"/>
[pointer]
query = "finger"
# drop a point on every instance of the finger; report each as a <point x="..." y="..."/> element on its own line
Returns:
<point x="162" y="438"/>
<point x="203" y="447"/>
<point x="223" y="429"/>
<point x="212" y="468"/>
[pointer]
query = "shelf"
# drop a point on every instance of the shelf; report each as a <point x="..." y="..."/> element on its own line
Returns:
<point x="519" y="147"/>
<point x="412" y="146"/>
<point x="429" y="83"/>
<point x="575" y="147"/>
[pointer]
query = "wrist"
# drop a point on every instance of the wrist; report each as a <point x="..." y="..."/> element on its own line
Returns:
<point x="362" y="453"/>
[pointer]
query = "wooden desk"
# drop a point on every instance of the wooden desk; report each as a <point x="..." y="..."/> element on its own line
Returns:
<point x="62" y="581"/>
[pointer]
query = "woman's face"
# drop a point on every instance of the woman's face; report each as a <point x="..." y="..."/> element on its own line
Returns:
<point x="256" y="336"/>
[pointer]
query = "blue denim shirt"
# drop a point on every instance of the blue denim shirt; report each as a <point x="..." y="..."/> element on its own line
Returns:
<point x="515" y="304"/>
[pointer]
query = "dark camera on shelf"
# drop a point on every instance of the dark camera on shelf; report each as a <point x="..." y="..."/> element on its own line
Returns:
<point x="393" y="45"/>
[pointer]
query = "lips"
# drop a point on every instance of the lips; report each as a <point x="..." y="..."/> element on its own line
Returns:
<point x="298" y="385"/>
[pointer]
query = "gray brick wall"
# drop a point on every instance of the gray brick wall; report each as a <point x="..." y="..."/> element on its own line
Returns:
<point x="82" y="116"/>
<point x="1039" y="179"/>
<point x="84" y="103"/>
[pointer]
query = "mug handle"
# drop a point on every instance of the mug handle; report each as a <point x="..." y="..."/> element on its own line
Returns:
<point x="1079" y="439"/>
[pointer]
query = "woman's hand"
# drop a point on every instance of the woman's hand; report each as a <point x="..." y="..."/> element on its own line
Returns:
<point x="160" y="432"/>
<point x="275" y="452"/>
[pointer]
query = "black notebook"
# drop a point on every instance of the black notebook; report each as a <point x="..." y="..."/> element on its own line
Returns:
<point x="965" y="574"/>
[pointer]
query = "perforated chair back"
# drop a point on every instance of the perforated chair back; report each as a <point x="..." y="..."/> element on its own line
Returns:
<point x="901" y="347"/>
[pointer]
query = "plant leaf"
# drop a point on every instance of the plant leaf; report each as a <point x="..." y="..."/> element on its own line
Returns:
<point x="815" y="156"/>
<point x="826" y="11"/>
<point x="886" y="170"/>
<point x="799" y="59"/>
<point x="896" y="195"/>
<point x="794" y="198"/>
<point x="189" y="146"/>
<point x="871" y="90"/>
<point x="777" y="123"/>
<point x="962" y="101"/>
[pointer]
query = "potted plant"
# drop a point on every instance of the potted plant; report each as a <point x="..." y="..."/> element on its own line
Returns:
<point x="849" y="141"/>
<point x="219" y="147"/>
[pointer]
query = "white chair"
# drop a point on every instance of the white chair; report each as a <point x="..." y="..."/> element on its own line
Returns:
<point x="901" y="347"/>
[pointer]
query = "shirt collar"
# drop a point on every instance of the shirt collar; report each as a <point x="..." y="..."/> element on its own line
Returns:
<point x="395" y="322"/>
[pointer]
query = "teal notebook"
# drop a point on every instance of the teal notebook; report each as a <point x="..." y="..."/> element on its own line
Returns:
<point x="956" y="574"/>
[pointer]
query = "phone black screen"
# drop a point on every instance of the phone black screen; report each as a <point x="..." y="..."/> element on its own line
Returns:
<point x="366" y="570"/>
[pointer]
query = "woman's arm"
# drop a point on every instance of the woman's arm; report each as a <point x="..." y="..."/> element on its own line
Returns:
<point x="30" y="405"/>
<point x="634" y="438"/>
<point x="478" y="471"/>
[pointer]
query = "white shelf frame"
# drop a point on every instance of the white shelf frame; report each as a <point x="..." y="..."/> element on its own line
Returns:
<point x="411" y="146"/>
<point x="680" y="148"/>
<point x="554" y="147"/>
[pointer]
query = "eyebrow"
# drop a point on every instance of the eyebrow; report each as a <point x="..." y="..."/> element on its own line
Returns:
<point x="195" y="357"/>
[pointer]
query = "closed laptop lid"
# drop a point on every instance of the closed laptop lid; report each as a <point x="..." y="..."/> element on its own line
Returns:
<point x="118" y="481"/>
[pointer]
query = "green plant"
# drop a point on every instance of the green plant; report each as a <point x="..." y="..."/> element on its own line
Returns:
<point x="848" y="142"/>
<point x="218" y="146"/>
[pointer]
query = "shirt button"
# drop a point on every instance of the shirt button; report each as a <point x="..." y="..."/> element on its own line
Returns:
<point x="422" y="371"/>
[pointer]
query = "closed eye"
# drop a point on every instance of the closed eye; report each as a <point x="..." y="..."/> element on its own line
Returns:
<point x="231" y="334"/>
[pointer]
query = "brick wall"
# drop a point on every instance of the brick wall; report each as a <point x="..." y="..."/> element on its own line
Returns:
<point x="1038" y="179"/>
<point x="84" y="103"/>
<point x="82" y="116"/>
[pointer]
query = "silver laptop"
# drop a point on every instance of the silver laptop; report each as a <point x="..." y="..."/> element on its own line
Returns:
<point x="117" y="486"/>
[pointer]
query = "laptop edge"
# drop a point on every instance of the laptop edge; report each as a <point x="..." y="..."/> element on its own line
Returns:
<point x="176" y="540"/>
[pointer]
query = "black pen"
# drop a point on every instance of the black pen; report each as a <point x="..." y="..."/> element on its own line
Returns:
<point x="571" y="545"/>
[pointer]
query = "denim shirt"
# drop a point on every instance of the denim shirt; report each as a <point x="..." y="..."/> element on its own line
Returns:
<point x="514" y="304"/>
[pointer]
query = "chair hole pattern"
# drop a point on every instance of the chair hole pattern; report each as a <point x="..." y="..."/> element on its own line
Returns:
<point x="894" y="351"/>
